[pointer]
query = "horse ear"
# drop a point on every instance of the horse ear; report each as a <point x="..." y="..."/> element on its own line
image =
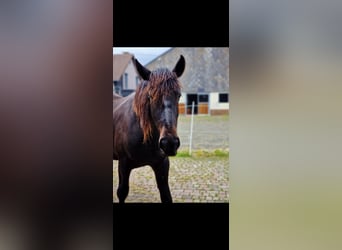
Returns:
<point x="180" y="66"/>
<point x="143" y="72"/>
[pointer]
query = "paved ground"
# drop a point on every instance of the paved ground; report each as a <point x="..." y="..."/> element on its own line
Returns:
<point x="209" y="132"/>
<point x="192" y="179"/>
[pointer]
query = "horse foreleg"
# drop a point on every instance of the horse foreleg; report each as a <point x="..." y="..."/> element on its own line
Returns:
<point x="161" y="172"/>
<point x="124" y="171"/>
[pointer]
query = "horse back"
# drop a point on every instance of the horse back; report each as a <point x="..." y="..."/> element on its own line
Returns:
<point x="116" y="96"/>
<point x="123" y="123"/>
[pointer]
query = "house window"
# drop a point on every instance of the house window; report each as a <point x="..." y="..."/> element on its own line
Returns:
<point x="136" y="81"/>
<point x="223" y="97"/>
<point x="126" y="81"/>
<point x="203" y="98"/>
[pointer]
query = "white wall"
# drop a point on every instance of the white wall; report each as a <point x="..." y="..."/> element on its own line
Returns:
<point x="130" y="70"/>
<point x="182" y="99"/>
<point x="214" y="102"/>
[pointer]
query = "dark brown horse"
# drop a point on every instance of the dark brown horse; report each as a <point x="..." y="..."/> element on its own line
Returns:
<point x="145" y="126"/>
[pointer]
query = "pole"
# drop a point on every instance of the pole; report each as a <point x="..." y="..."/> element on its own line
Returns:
<point x="191" y="126"/>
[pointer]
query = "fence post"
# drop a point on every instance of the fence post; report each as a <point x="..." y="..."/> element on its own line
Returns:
<point x="191" y="126"/>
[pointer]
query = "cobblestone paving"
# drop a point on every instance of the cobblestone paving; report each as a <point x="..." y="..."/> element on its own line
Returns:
<point x="191" y="179"/>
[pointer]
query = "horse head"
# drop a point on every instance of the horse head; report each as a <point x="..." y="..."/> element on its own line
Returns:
<point x="156" y="104"/>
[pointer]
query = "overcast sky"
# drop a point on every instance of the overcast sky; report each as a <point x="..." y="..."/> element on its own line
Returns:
<point x="143" y="54"/>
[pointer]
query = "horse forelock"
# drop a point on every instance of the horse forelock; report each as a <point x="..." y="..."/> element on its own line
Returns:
<point x="162" y="82"/>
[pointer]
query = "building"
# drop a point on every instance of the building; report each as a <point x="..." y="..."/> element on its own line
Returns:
<point x="125" y="78"/>
<point x="205" y="81"/>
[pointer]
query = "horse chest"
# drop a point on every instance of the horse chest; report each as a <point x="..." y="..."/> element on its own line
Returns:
<point x="146" y="151"/>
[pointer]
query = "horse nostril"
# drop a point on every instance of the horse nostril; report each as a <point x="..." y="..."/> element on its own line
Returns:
<point x="169" y="145"/>
<point x="176" y="142"/>
<point x="163" y="143"/>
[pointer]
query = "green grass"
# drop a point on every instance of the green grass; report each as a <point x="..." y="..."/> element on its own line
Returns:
<point x="204" y="153"/>
<point x="183" y="154"/>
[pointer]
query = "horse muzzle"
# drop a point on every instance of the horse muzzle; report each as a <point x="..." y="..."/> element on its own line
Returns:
<point x="169" y="145"/>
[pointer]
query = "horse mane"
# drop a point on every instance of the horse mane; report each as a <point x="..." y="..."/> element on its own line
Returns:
<point x="162" y="82"/>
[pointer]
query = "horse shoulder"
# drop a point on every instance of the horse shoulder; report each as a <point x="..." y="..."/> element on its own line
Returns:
<point x="126" y="129"/>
